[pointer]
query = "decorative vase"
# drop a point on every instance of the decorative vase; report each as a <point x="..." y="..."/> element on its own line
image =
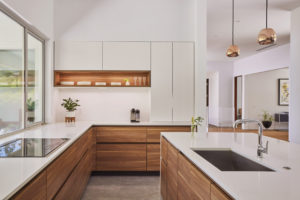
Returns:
<point x="70" y="116"/>
<point x="267" y="124"/>
<point x="30" y="116"/>
<point x="193" y="129"/>
<point x="127" y="83"/>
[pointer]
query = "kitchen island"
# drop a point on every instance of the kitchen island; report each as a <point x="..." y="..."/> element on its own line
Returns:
<point x="185" y="174"/>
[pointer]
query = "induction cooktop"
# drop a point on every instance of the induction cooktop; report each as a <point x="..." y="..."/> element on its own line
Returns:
<point x="30" y="147"/>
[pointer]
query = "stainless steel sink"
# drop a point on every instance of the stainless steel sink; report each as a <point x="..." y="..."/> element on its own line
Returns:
<point x="228" y="160"/>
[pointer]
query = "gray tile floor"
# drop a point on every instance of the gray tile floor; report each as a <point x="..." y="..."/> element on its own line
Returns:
<point x="122" y="187"/>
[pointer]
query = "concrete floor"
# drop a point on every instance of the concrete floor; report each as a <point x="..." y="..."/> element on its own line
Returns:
<point x="122" y="187"/>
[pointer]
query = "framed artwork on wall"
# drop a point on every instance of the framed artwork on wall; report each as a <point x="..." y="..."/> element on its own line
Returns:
<point x="283" y="92"/>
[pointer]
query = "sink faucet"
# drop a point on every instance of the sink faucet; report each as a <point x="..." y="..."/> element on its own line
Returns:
<point x="260" y="148"/>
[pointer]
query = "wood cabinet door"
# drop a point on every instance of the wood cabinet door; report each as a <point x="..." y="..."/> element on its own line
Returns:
<point x="193" y="180"/>
<point x="218" y="194"/>
<point x="163" y="180"/>
<point x="34" y="190"/>
<point x="70" y="55"/>
<point x="153" y="157"/>
<point x="74" y="187"/>
<point x="154" y="133"/>
<point x="164" y="150"/>
<point x="161" y="81"/>
<point x="121" y="157"/>
<point x="183" y="81"/>
<point x="172" y="173"/>
<point x="121" y="134"/>
<point x="126" y="55"/>
<point x="59" y="170"/>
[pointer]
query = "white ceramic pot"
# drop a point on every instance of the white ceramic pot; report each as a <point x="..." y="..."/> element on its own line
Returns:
<point x="70" y="114"/>
<point x="127" y="83"/>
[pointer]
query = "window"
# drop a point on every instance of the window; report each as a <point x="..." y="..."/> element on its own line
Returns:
<point x="21" y="76"/>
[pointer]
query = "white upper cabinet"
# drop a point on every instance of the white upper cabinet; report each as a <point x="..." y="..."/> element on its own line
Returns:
<point x="71" y="55"/>
<point x="126" y="55"/>
<point x="183" y="81"/>
<point x="161" y="81"/>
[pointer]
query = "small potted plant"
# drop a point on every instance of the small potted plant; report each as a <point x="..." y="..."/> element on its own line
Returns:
<point x="127" y="83"/>
<point x="267" y="120"/>
<point x="195" y="123"/>
<point x="30" y="110"/>
<point x="70" y="105"/>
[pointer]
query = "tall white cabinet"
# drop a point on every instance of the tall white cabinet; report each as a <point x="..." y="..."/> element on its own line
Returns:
<point x="172" y="81"/>
<point x="78" y="55"/>
<point x="161" y="81"/>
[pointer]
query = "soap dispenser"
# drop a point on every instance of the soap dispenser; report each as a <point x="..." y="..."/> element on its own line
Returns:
<point x="132" y="115"/>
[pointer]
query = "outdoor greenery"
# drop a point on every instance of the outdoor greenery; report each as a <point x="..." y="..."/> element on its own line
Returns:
<point x="70" y="104"/>
<point x="30" y="105"/>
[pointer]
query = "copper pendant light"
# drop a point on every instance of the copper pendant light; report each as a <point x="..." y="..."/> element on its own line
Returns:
<point x="233" y="50"/>
<point x="266" y="35"/>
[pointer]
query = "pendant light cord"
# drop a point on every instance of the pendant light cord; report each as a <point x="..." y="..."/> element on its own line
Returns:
<point x="232" y="23"/>
<point x="267" y="13"/>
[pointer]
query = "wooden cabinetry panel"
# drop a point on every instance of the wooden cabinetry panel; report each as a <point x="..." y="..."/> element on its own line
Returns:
<point x="121" y="134"/>
<point x="218" y="194"/>
<point x="121" y="157"/>
<point x="164" y="149"/>
<point x="194" y="179"/>
<point x="61" y="168"/>
<point x="163" y="180"/>
<point x="153" y="133"/>
<point x="153" y="157"/>
<point x="172" y="173"/>
<point x="75" y="185"/>
<point x="35" y="190"/>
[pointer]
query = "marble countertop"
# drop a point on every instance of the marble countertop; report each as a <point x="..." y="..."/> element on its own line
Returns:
<point x="281" y="184"/>
<point x="17" y="172"/>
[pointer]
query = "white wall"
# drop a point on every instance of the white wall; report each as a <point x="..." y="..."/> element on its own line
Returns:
<point x="294" y="125"/>
<point x="130" y="20"/>
<point x="261" y="94"/>
<point x="213" y="106"/>
<point x="275" y="58"/>
<point x="226" y="108"/>
<point x="105" y="104"/>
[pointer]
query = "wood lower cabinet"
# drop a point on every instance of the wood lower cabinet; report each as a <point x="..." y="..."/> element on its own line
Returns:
<point x="153" y="157"/>
<point x="218" y="194"/>
<point x="153" y="133"/>
<point x="35" y="190"/>
<point x="181" y="180"/>
<point x="121" y="157"/>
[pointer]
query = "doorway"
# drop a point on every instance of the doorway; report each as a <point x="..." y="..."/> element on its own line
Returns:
<point x="238" y="97"/>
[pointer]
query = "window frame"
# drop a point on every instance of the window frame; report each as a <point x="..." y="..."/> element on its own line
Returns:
<point x="28" y="30"/>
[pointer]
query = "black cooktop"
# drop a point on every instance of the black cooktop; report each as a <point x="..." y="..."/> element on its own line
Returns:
<point x="30" y="147"/>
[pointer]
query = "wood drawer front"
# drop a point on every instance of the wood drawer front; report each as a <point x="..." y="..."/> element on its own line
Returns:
<point x="218" y="194"/>
<point x="153" y="133"/>
<point x="35" y="190"/>
<point x="77" y="181"/>
<point x="121" y="157"/>
<point x="153" y="157"/>
<point x="121" y="134"/>
<point x="163" y="180"/>
<point x="164" y="149"/>
<point x="61" y="168"/>
<point x="172" y="173"/>
<point x="194" y="178"/>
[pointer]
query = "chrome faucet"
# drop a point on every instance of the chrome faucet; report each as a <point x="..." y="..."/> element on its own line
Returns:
<point x="260" y="148"/>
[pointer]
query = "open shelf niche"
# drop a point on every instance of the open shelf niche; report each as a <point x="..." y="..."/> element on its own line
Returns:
<point x="101" y="78"/>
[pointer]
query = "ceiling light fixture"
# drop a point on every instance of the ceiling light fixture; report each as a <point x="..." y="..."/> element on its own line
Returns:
<point x="233" y="50"/>
<point x="266" y="35"/>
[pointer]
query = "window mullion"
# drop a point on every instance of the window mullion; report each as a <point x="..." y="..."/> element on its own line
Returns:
<point x="25" y="75"/>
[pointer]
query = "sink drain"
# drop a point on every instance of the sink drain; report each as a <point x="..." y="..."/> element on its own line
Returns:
<point x="286" y="167"/>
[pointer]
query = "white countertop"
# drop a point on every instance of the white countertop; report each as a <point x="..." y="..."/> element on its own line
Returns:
<point x="16" y="172"/>
<point x="281" y="184"/>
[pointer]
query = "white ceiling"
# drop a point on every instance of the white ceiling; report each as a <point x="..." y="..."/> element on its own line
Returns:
<point x="249" y="20"/>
